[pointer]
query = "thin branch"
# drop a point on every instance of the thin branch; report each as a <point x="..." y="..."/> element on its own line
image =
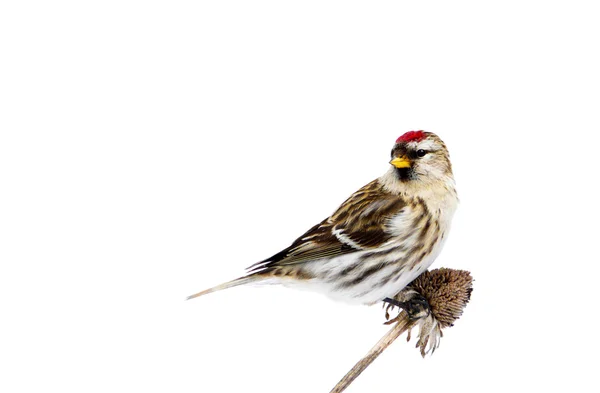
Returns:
<point x="402" y="325"/>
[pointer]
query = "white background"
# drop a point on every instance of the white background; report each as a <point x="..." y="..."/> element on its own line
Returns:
<point x="152" y="149"/>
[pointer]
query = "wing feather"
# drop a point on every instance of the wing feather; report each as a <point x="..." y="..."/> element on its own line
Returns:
<point x="360" y="223"/>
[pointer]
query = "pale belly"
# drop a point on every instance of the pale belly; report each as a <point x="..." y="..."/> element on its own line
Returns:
<point x="367" y="277"/>
<point x="336" y="279"/>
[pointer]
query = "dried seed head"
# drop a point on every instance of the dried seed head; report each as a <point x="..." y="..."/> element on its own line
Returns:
<point x="447" y="291"/>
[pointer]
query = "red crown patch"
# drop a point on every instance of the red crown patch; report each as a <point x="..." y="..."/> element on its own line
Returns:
<point x="411" y="136"/>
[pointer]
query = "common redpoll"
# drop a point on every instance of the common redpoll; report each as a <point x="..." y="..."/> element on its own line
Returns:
<point x="380" y="239"/>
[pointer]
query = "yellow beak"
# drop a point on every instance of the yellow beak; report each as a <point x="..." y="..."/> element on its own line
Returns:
<point x="400" y="162"/>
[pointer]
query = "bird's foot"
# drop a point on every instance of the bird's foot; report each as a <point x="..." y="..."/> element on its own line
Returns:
<point x="415" y="306"/>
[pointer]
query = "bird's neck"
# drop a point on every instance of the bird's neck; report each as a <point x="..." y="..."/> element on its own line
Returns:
<point x="437" y="193"/>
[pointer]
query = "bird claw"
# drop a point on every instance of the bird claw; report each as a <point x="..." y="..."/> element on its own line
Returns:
<point x="415" y="306"/>
<point x="416" y="309"/>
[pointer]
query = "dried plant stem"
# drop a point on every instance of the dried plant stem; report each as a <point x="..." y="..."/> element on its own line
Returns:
<point x="395" y="332"/>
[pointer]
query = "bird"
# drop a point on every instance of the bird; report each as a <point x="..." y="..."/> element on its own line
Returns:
<point x="380" y="239"/>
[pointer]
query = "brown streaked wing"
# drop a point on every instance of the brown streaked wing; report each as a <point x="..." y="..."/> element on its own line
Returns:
<point x="363" y="217"/>
<point x="360" y="223"/>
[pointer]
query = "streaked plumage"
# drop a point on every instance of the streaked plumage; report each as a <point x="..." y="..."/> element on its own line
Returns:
<point x="379" y="239"/>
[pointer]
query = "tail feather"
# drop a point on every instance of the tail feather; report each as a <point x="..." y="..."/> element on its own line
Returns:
<point x="228" y="284"/>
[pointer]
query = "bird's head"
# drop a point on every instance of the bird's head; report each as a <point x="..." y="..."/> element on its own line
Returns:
<point x="420" y="157"/>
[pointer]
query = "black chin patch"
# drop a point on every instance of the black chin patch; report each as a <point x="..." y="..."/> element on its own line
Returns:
<point x="405" y="174"/>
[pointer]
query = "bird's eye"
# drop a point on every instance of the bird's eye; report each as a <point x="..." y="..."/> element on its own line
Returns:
<point x="421" y="153"/>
